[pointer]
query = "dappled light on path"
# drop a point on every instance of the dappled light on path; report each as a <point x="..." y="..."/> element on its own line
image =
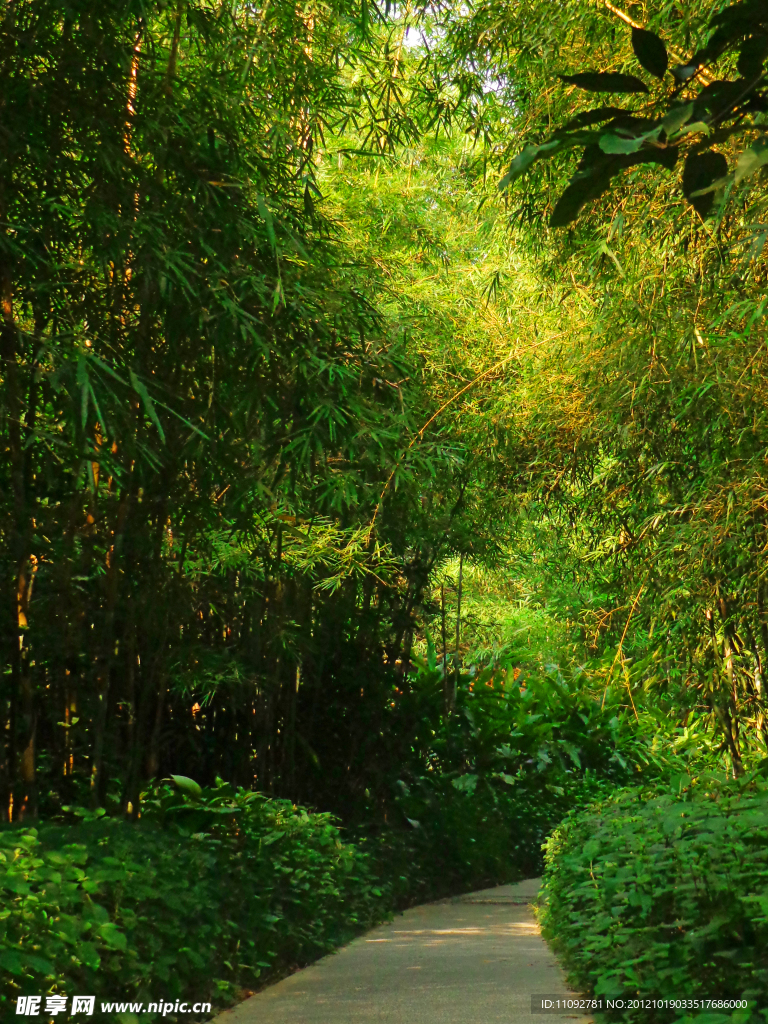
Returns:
<point x="474" y="959"/>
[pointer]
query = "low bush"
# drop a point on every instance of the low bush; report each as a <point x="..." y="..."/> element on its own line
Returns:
<point x="208" y="894"/>
<point x="664" y="896"/>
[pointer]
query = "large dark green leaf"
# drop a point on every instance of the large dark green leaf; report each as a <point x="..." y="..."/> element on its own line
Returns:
<point x="700" y="171"/>
<point x="11" y="960"/>
<point x="611" y="142"/>
<point x="590" y="117"/>
<point x="738" y="20"/>
<point x="583" y="189"/>
<point x="635" y="124"/>
<point x="718" y="98"/>
<point x="38" y="963"/>
<point x="666" y="156"/>
<point x="650" y="51"/>
<point x="188" y="786"/>
<point x="523" y="161"/>
<point x="593" y="177"/>
<point x="605" y="81"/>
<point x="752" y="159"/>
<point x="752" y="55"/>
<point x="111" y="935"/>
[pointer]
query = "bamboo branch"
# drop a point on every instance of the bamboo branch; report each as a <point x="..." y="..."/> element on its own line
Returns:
<point x="621" y="644"/>
<point x="420" y="433"/>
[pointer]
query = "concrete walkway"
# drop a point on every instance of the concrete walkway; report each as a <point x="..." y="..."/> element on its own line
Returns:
<point x="474" y="959"/>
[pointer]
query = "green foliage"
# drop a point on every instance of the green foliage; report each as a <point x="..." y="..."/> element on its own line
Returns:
<point x="661" y="893"/>
<point x="517" y="751"/>
<point x="200" y="404"/>
<point x="283" y="371"/>
<point x="712" y="100"/>
<point x="216" y="890"/>
<point x="624" y="440"/>
<point x="205" y="896"/>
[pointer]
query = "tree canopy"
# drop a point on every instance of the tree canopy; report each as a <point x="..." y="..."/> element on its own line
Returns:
<point x="296" y="357"/>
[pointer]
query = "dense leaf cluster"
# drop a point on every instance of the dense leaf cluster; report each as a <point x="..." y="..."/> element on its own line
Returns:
<point x="518" y="752"/>
<point x="660" y="895"/>
<point x="203" y="898"/>
<point x="203" y="413"/>
<point x="216" y="890"/>
<point x="698" y="113"/>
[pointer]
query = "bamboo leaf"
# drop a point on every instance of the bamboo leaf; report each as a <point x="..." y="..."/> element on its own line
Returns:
<point x="752" y="159"/>
<point x="140" y="388"/>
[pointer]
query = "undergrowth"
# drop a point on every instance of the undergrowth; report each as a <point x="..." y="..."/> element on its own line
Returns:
<point x="663" y="895"/>
<point x="207" y="896"/>
<point x="215" y="892"/>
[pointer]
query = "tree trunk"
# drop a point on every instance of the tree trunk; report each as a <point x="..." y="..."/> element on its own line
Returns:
<point x="458" y="630"/>
<point x="104" y="676"/>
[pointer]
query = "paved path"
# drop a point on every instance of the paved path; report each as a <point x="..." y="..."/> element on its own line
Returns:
<point x="474" y="959"/>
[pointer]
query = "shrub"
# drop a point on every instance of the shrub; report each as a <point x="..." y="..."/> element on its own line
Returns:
<point x="521" y="751"/>
<point x="202" y="898"/>
<point x="664" y="895"/>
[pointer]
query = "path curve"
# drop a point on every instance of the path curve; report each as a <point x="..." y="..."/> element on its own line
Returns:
<point x="473" y="959"/>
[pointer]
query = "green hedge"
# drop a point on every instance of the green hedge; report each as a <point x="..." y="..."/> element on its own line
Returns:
<point x="215" y="892"/>
<point x="665" y="896"/>
<point x="203" y="898"/>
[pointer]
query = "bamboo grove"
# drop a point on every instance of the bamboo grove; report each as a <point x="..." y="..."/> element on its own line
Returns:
<point x="201" y="406"/>
<point x="275" y="347"/>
